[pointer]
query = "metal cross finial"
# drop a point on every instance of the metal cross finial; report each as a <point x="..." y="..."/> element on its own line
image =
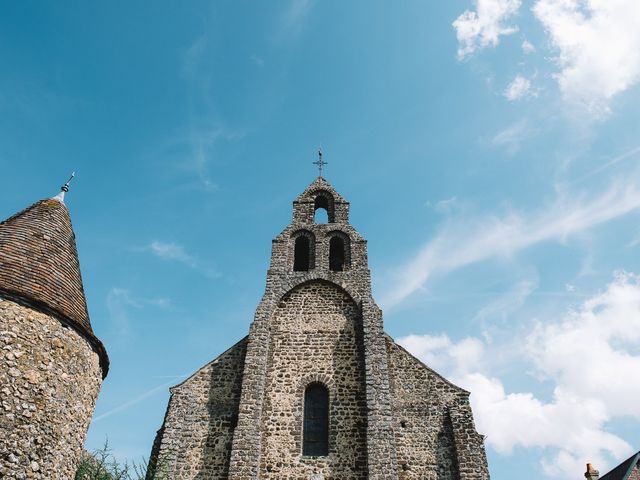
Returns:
<point x="65" y="187"/>
<point x="320" y="162"/>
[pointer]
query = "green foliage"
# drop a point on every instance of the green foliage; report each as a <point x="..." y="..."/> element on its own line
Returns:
<point x="102" y="465"/>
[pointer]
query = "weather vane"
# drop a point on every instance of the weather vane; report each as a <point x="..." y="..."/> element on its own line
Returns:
<point x="320" y="162"/>
<point x="65" y="187"/>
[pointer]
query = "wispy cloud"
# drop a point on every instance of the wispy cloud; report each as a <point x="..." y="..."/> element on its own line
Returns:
<point x="120" y="301"/>
<point x="507" y="303"/>
<point x="511" y="137"/>
<point x="192" y="56"/>
<point x="634" y="152"/>
<point x="484" y="27"/>
<point x="202" y="143"/>
<point x="204" y="132"/>
<point x="445" y="206"/>
<point x="171" y="251"/>
<point x="135" y="400"/>
<point x="294" y="17"/>
<point x="464" y="242"/>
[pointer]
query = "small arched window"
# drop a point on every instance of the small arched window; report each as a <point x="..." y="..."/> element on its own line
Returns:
<point x="316" y="421"/>
<point x="336" y="254"/>
<point x="302" y="254"/>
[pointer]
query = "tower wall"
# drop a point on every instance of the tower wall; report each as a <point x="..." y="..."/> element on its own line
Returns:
<point x="50" y="377"/>
<point x="316" y="336"/>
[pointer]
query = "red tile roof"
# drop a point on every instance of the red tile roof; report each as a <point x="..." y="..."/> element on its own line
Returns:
<point x="39" y="265"/>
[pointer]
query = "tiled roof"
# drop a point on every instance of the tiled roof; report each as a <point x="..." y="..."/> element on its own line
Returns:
<point x="39" y="265"/>
<point x="622" y="471"/>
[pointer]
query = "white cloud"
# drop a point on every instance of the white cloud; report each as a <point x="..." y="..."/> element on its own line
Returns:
<point x="509" y="302"/>
<point x="463" y="242"/>
<point x="192" y="57"/>
<point x="440" y="353"/>
<point x="572" y="427"/>
<point x="294" y="18"/>
<point x="175" y="252"/>
<point x="482" y="28"/>
<point x="519" y="88"/>
<point x="445" y="206"/>
<point x="171" y="251"/>
<point x="512" y="136"/>
<point x="591" y="355"/>
<point x="597" y="43"/>
<point x="120" y="301"/>
<point x="527" y="47"/>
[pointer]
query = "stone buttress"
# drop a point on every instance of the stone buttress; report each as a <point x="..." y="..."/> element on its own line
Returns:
<point x="243" y="416"/>
<point x="51" y="363"/>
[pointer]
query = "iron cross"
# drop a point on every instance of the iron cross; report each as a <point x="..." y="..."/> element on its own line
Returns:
<point x="320" y="162"/>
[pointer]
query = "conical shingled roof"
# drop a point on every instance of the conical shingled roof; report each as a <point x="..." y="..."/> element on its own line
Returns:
<point x="39" y="265"/>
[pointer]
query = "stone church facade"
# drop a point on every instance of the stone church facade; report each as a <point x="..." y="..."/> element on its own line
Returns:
<point x="317" y="390"/>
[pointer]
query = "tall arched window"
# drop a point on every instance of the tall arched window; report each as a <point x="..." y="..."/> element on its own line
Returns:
<point x="336" y="254"/>
<point x="302" y="254"/>
<point x="316" y="421"/>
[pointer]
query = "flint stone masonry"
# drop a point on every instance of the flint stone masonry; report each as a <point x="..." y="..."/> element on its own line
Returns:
<point x="49" y="381"/>
<point x="390" y="416"/>
<point x="316" y="336"/>
<point x="425" y="406"/>
<point x="195" y="439"/>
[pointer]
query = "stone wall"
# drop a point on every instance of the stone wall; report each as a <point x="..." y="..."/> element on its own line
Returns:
<point x="49" y="381"/>
<point x="635" y="473"/>
<point x="315" y="337"/>
<point x="195" y="439"/>
<point x="434" y="430"/>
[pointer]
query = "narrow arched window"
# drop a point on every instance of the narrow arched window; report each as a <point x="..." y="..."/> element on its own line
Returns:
<point x="316" y="421"/>
<point x="302" y="254"/>
<point x="336" y="254"/>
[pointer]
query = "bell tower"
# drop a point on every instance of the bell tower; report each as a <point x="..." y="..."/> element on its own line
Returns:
<point x="317" y="324"/>
<point x="317" y="390"/>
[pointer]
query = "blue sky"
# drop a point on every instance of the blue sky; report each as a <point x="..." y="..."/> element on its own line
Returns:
<point x="489" y="150"/>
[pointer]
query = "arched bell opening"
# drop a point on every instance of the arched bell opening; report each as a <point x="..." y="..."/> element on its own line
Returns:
<point x="303" y="251"/>
<point x="339" y="252"/>
<point x="323" y="208"/>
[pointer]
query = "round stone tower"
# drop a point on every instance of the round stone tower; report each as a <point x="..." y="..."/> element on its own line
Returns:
<point x="51" y="363"/>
